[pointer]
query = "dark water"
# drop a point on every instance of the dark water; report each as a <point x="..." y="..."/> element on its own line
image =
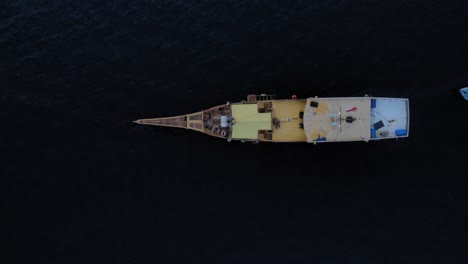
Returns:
<point x="81" y="183"/>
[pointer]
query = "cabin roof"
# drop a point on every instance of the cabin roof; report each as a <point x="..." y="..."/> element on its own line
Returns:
<point x="325" y="119"/>
<point x="249" y="121"/>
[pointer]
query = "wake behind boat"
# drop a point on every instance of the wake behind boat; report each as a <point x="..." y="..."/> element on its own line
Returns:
<point x="262" y="118"/>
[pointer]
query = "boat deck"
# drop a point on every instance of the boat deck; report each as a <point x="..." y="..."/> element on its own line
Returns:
<point x="211" y="123"/>
<point x="287" y="120"/>
<point x="207" y="121"/>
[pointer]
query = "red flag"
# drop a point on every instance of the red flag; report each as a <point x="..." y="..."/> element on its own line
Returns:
<point x="352" y="109"/>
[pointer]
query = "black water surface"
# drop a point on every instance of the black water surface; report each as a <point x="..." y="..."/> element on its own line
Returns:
<point x="81" y="183"/>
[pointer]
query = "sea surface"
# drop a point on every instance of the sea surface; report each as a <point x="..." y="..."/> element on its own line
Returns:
<point x="81" y="183"/>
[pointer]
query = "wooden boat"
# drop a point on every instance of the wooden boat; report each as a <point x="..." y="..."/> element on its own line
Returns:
<point x="262" y="118"/>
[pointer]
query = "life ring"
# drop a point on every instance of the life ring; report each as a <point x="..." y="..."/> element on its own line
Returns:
<point x="223" y="132"/>
<point x="215" y="129"/>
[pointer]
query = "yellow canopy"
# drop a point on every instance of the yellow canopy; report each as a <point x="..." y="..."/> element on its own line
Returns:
<point x="249" y="121"/>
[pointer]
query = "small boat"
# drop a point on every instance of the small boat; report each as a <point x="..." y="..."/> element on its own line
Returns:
<point x="464" y="92"/>
<point x="262" y="118"/>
